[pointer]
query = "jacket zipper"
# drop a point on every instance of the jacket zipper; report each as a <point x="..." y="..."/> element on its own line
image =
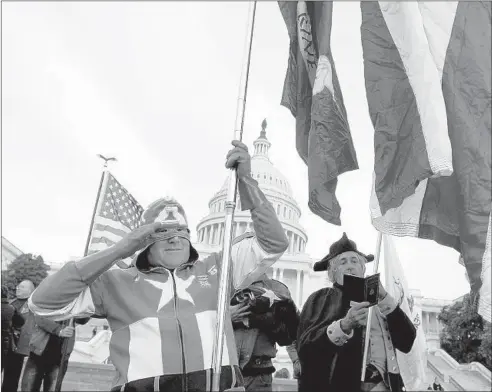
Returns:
<point x="184" y="381"/>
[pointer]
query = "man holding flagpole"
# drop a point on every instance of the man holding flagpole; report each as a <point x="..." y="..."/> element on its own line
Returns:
<point x="163" y="310"/>
<point x="330" y="334"/>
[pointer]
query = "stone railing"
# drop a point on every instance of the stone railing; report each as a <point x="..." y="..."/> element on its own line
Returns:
<point x="459" y="375"/>
<point x="471" y="367"/>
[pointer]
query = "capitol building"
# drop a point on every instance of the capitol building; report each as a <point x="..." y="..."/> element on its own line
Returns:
<point x="294" y="269"/>
<point x="295" y="266"/>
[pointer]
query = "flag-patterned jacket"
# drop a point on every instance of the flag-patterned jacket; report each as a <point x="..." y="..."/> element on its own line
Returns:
<point x="162" y="322"/>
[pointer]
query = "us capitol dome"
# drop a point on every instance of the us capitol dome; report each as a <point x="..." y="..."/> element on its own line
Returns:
<point x="294" y="268"/>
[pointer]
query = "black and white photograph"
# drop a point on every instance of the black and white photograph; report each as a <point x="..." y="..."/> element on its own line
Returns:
<point x="250" y="196"/>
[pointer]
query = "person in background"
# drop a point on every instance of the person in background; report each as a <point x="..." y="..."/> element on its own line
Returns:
<point x="11" y="319"/>
<point x="331" y="331"/>
<point x="46" y="359"/>
<point x="20" y="348"/>
<point x="263" y="315"/>
<point x="437" y="385"/>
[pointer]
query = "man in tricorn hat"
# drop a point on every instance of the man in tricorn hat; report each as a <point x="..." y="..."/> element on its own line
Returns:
<point x="163" y="311"/>
<point x="330" y="335"/>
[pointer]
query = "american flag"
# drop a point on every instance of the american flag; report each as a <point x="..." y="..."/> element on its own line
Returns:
<point x="117" y="214"/>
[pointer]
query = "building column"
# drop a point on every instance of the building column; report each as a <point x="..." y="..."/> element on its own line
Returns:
<point x="220" y="233"/>
<point x="212" y="234"/>
<point x="298" y="299"/>
<point x="428" y="321"/>
<point x="281" y="274"/>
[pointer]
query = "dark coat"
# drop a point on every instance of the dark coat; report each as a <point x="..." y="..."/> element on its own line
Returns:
<point x="22" y="345"/>
<point x="268" y="325"/>
<point x="327" y="367"/>
<point x="11" y="319"/>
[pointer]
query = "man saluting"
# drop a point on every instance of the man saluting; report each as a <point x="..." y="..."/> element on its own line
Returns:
<point x="162" y="311"/>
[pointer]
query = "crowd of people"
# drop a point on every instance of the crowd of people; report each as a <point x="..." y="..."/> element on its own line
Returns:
<point x="32" y="345"/>
<point x="162" y="311"/>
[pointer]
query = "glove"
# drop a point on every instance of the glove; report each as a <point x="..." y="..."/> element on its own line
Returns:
<point x="240" y="159"/>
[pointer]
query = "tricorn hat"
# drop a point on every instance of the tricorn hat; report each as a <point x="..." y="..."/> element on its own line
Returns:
<point x="337" y="248"/>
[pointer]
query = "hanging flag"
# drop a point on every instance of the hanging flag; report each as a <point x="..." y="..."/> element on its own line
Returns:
<point x="428" y="83"/>
<point x="117" y="214"/>
<point x="313" y="96"/>
<point x="413" y="364"/>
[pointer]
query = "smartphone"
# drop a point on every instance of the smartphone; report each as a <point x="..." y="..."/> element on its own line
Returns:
<point x="359" y="289"/>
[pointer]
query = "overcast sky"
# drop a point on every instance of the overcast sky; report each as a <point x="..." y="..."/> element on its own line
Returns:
<point x="156" y="85"/>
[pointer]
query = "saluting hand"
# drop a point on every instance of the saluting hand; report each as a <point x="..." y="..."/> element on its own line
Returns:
<point x="138" y="239"/>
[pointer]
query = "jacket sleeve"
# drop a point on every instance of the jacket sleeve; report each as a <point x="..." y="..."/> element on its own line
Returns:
<point x="401" y="329"/>
<point x="76" y="290"/>
<point x="292" y="351"/>
<point x="48" y="325"/>
<point x="312" y="334"/>
<point x="252" y="255"/>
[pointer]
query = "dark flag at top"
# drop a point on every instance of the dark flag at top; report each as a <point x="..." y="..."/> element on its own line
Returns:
<point x="312" y="94"/>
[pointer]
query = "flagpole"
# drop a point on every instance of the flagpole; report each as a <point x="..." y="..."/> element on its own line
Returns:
<point x="103" y="174"/>
<point x="369" y="314"/>
<point x="224" y="285"/>
<point x="86" y="250"/>
<point x="64" y="349"/>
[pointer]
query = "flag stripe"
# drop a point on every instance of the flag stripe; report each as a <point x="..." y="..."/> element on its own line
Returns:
<point x="404" y="22"/>
<point x="438" y="20"/>
<point x="100" y="241"/>
<point x="107" y="235"/>
<point x="116" y="227"/>
<point x="408" y="129"/>
<point x="117" y="215"/>
<point x="451" y="210"/>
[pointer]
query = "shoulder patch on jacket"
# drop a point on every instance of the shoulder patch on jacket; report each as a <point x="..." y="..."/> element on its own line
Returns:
<point x="248" y="234"/>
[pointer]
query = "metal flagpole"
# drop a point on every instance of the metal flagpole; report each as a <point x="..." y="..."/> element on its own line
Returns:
<point x="224" y="285"/>
<point x="369" y="314"/>
<point x="106" y="160"/>
<point x="64" y="349"/>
